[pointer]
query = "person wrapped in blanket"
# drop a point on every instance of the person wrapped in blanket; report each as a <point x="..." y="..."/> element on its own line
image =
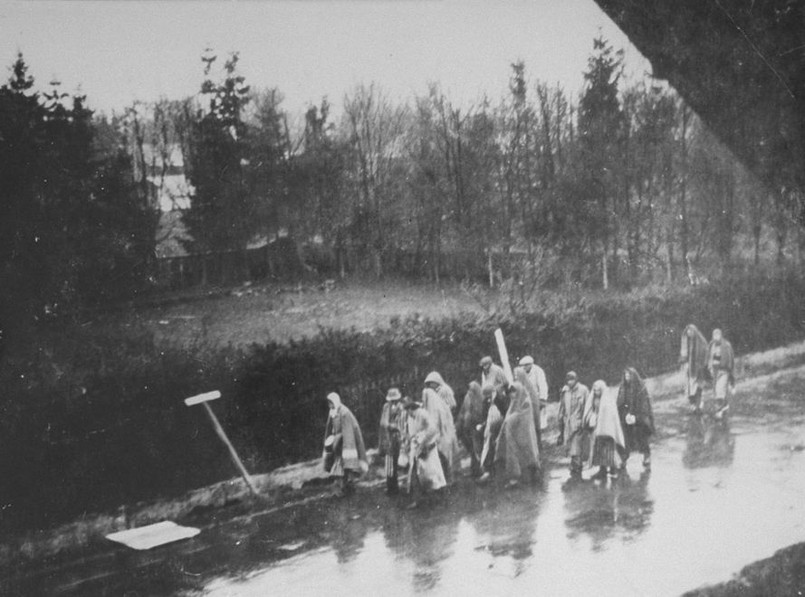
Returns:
<point x="426" y="474"/>
<point x="636" y="415"/>
<point x="721" y="364"/>
<point x="495" y="405"/>
<point x="392" y="434"/>
<point x="693" y="359"/>
<point x="448" y="441"/>
<point x="573" y="405"/>
<point x="344" y="451"/>
<point x="436" y="382"/>
<point x="604" y="425"/>
<point x="517" y="452"/>
<point x="470" y="425"/>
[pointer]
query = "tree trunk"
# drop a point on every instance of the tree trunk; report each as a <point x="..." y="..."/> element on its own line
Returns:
<point x="782" y="233"/>
<point x="669" y="267"/>
<point x="604" y="269"/>
<point x="756" y="232"/>
<point x="489" y="268"/>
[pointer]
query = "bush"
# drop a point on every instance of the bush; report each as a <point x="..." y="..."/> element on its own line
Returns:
<point x="128" y="436"/>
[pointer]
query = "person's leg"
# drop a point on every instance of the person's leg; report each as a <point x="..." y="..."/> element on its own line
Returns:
<point x="392" y="485"/>
<point x="446" y="468"/>
<point x="475" y="454"/>
<point x="623" y="451"/>
<point x="575" y="454"/>
<point x="539" y="434"/>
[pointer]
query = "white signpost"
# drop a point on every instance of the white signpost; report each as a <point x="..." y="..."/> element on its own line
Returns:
<point x="205" y="400"/>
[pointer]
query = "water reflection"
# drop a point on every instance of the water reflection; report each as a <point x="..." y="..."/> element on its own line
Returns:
<point x="604" y="510"/>
<point x="709" y="442"/>
<point x="426" y="537"/>
<point x="346" y="533"/>
<point x="506" y="527"/>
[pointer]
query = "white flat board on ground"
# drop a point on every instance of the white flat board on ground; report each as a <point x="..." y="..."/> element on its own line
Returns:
<point x="153" y="535"/>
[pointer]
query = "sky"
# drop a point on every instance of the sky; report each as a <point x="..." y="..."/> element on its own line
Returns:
<point x="116" y="52"/>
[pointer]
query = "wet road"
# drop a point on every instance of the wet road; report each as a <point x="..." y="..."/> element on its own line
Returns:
<point x="718" y="497"/>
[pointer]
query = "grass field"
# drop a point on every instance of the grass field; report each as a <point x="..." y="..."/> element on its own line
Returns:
<point x="268" y="313"/>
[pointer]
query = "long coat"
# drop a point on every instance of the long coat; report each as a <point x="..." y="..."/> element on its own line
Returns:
<point x="517" y="442"/>
<point x="424" y="457"/>
<point x="472" y="414"/>
<point x="348" y="439"/>
<point x="727" y="362"/>
<point x="603" y="419"/>
<point x="573" y="405"/>
<point x="392" y="427"/>
<point x="443" y="420"/>
<point x="693" y="351"/>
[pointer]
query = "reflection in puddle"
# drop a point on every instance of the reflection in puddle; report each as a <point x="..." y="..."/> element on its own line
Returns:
<point x="709" y="443"/>
<point x="603" y="510"/>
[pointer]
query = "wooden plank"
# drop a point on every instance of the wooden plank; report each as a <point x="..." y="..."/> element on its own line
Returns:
<point x="153" y="535"/>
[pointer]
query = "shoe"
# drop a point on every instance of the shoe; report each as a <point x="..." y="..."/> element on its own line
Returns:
<point x="412" y="506"/>
<point x="613" y="473"/>
<point x="512" y="484"/>
<point x="485" y="477"/>
<point x="647" y="463"/>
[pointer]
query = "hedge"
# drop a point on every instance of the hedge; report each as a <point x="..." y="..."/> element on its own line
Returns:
<point x="130" y="437"/>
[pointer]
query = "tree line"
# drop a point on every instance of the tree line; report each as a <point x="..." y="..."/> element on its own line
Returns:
<point x="620" y="187"/>
<point x="623" y="186"/>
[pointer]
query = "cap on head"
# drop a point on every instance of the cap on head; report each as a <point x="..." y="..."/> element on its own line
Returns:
<point x="571" y="376"/>
<point x="334" y="399"/>
<point x="526" y="360"/>
<point x="393" y="395"/>
<point x="485" y="361"/>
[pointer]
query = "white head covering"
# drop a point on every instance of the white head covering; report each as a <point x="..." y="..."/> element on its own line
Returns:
<point x="434" y="377"/>
<point x="600" y="385"/>
<point x="334" y="399"/>
<point x="527" y="360"/>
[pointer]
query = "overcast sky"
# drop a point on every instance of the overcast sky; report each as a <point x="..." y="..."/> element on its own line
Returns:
<point x="116" y="52"/>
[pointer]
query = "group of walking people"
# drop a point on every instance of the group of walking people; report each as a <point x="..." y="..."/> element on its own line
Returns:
<point x="502" y="417"/>
<point x="702" y="361"/>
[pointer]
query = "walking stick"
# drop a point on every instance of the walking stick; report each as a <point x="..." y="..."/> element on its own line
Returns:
<point x="204" y="399"/>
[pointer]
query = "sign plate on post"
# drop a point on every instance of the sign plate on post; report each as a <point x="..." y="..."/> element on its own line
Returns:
<point x="202" y="398"/>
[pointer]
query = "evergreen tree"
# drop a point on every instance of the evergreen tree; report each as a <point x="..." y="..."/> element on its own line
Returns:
<point x="600" y="146"/>
<point x="221" y="215"/>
